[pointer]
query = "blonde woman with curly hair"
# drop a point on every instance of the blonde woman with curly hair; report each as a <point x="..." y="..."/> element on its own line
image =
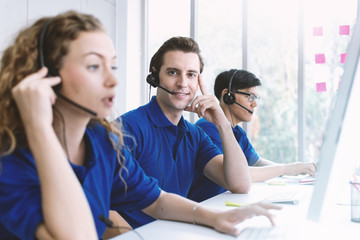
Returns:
<point x="63" y="165"/>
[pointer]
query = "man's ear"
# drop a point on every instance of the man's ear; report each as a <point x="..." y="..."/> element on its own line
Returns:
<point x="223" y="92"/>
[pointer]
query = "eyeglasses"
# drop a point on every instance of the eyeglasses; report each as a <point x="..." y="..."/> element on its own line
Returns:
<point x="251" y="96"/>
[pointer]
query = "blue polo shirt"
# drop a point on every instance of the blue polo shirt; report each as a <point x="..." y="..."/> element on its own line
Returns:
<point x="170" y="153"/>
<point x="20" y="197"/>
<point x="203" y="188"/>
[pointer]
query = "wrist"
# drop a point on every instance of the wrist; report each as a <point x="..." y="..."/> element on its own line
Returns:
<point x="204" y="216"/>
<point x="39" y="135"/>
<point x="284" y="169"/>
<point x="37" y="130"/>
<point x="194" y="212"/>
<point x="224" y="127"/>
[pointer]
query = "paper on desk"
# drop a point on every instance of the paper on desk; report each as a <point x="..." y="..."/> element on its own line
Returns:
<point x="298" y="179"/>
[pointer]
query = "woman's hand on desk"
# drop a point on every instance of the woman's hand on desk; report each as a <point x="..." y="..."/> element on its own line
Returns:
<point x="226" y="221"/>
<point x="170" y="206"/>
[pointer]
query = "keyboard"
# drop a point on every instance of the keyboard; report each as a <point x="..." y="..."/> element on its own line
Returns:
<point x="285" y="197"/>
<point x="267" y="233"/>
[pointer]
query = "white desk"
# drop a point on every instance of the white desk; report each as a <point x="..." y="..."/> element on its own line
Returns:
<point x="337" y="224"/>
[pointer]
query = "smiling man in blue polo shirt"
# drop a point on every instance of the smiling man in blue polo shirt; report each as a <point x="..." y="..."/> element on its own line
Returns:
<point x="168" y="147"/>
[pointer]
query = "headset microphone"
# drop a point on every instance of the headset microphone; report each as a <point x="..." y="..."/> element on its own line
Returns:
<point x="244" y="107"/>
<point x="152" y="79"/>
<point x="53" y="72"/>
<point x="77" y="105"/>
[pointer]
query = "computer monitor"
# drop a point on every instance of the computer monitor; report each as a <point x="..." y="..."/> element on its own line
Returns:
<point x="340" y="146"/>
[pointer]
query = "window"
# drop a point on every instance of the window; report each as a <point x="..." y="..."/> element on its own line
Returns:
<point x="167" y="19"/>
<point x="269" y="41"/>
<point x="219" y="37"/>
<point x="272" y="56"/>
<point x="326" y="39"/>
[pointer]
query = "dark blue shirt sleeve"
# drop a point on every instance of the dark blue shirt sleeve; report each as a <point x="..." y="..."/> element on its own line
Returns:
<point x="211" y="130"/>
<point x="136" y="190"/>
<point x="251" y="156"/>
<point x="131" y="136"/>
<point x="20" y="198"/>
<point x="207" y="150"/>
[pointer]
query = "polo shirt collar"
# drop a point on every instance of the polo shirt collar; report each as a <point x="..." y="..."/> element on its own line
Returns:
<point x="238" y="128"/>
<point x="90" y="145"/>
<point x="90" y="158"/>
<point x="158" y="117"/>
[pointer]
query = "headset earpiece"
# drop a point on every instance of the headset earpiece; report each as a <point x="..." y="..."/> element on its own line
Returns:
<point x="229" y="98"/>
<point x="153" y="78"/>
<point x="154" y="81"/>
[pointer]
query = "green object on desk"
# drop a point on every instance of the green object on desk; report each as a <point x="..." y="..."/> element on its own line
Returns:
<point x="233" y="204"/>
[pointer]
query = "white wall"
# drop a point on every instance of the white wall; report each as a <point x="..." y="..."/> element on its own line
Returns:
<point x="122" y="20"/>
<point x="17" y="14"/>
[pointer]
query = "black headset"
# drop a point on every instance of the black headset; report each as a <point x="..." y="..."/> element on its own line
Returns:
<point x="41" y="42"/>
<point x="52" y="72"/>
<point x="153" y="78"/>
<point x="229" y="97"/>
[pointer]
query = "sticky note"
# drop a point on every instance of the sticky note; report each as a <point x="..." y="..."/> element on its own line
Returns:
<point x="343" y="57"/>
<point x="317" y="31"/>
<point x="321" y="87"/>
<point x="344" y="30"/>
<point x="320" y="58"/>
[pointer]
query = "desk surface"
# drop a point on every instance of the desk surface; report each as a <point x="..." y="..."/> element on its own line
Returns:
<point x="336" y="225"/>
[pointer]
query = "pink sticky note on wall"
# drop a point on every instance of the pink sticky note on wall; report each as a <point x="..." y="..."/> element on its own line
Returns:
<point x="344" y="30"/>
<point x="320" y="58"/>
<point x="317" y="31"/>
<point x="343" y="57"/>
<point x="321" y="87"/>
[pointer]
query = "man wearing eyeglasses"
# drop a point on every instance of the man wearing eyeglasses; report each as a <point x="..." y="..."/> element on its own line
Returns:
<point x="237" y="91"/>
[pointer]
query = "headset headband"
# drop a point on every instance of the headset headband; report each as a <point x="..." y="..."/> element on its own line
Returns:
<point x="231" y="79"/>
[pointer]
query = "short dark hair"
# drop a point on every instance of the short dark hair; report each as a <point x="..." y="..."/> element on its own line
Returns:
<point x="241" y="80"/>
<point x="184" y="44"/>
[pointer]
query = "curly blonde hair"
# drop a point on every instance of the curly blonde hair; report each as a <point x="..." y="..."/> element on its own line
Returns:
<point x="22" y="58"/>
